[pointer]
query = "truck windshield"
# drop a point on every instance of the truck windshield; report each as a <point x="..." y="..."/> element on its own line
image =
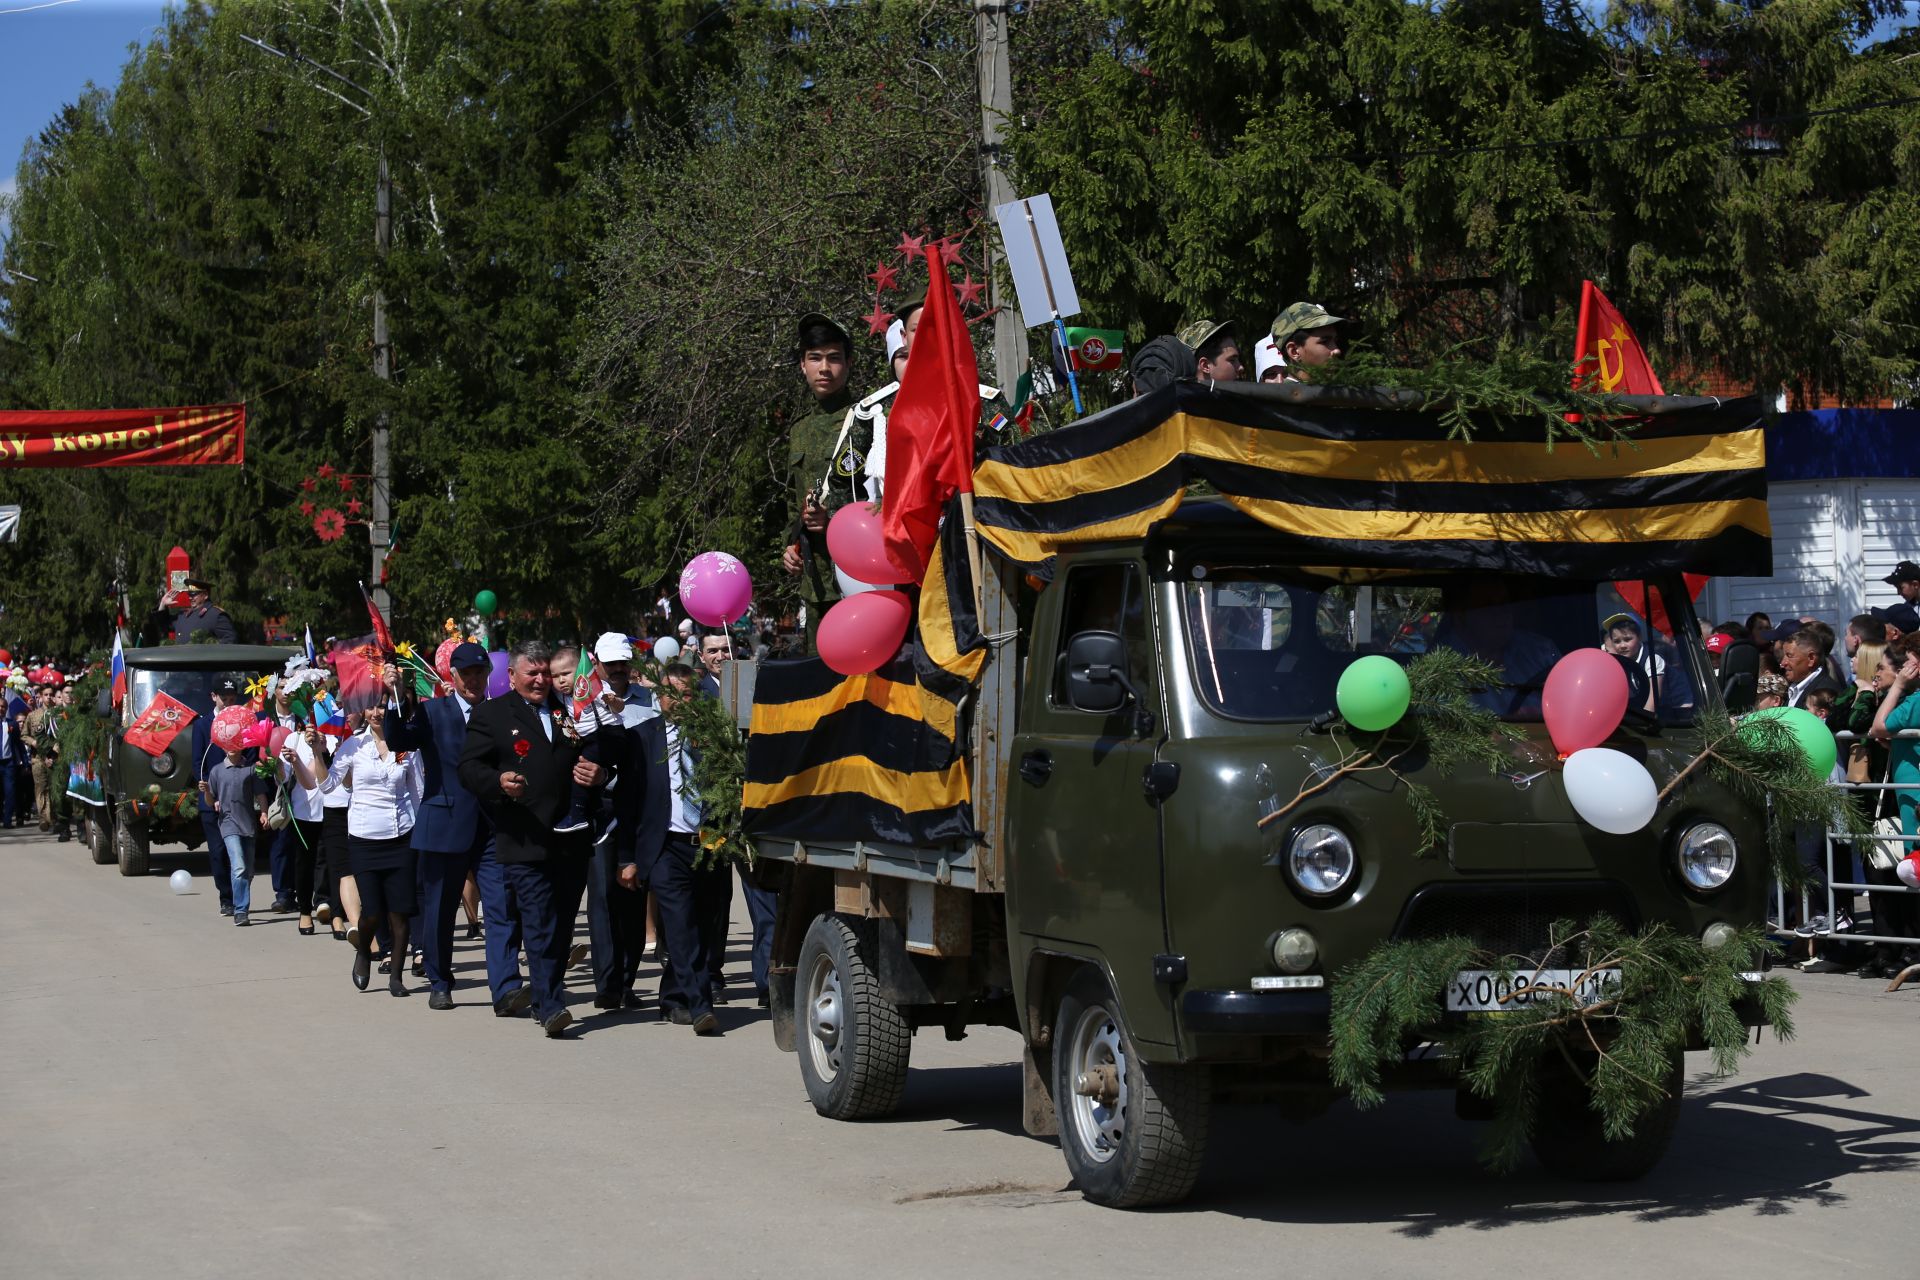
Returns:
<point x="195" y="688"/>
<point x="1269" y="643"/>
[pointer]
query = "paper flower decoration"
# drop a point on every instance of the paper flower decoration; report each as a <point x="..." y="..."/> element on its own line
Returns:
<point x="346" y="483"/>
<point x="404" y="649"/>
<point x="884" y="277"/>
<point x="329" y="525"/>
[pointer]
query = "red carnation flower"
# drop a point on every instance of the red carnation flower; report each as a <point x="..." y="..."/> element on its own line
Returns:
<point x="521" y="747"/>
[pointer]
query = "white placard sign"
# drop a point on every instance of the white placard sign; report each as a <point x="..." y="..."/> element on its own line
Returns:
<point x="1038" y="260"/>
<point x="9" y="524"/>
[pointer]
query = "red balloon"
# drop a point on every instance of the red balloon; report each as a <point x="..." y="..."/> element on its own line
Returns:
<point x="230" y="728"/>
<point x="1585" y="698"/>
<point x="443" y="659"/>
<point x="859" y="550"/>
<point x="861" y="632"/>
<point x="277" y="739"/>
<point x="6" y="657"/>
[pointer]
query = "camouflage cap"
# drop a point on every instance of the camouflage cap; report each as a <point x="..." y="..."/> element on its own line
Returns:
<point x="1299" y="317"/>
<point x="1198" y="333"/>
<point x="812" y="318"/>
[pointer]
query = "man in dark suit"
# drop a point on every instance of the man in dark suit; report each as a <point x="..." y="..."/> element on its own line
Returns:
<point x="1803" y="662"/>
<point x="520" y="764"/>
<point x="453" y="836"/>
<point x="662" y="856"/>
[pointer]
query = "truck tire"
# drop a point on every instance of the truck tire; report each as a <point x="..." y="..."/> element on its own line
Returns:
<point x="130" y="844"/>
<point x="100" y="837"/>
<point x="853" y="1042"/>
<point x="1134" y="1133"/>
<point x="1567" y="1137"/>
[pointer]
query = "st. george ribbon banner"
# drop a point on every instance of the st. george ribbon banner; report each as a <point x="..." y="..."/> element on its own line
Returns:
<point x="198" y="436"/>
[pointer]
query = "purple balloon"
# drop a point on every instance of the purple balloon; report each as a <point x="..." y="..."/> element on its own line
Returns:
<point x="497" y="682"/>
<point x="715" y="588"/>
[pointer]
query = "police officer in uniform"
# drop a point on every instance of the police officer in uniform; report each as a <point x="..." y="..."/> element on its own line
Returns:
<point x="201" y="614"/>
<point x="827" y="459"/>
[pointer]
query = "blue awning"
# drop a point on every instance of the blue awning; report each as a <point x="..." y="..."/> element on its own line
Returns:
<point x="1826" y="444"/>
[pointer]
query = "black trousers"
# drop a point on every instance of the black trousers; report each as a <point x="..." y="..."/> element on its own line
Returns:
<point x="549" y="897"/>
<point x="616" y="923"/>
<point x="303" y="843"/>
<point x="688" y="918"/>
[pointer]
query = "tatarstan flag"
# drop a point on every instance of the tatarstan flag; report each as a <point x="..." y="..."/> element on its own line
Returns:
<point x="1094" y="350"/>
<point x="1608" y="358"/>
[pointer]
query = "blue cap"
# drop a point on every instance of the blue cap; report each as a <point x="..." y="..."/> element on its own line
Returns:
<point x="468" y="654"/>
<point x="1904" y="616"/>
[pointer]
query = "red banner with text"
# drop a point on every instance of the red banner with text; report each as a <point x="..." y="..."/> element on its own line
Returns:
<point x="199" y="436"/>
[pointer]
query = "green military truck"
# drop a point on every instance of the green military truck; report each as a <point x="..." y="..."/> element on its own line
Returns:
<point x="144" y="799"/>
<point x="1123" y="907"/>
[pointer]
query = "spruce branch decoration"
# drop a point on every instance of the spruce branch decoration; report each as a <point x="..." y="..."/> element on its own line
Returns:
<point x="1619" y="1044"/>
<point x="1441" y="717"/>
<point x="718" y="776"/>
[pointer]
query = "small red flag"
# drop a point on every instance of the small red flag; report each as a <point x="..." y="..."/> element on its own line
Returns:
<point x="159" y="724"/>
<point x="1608" y="358"/>
<point x="930" y="431"/>
<point x="381" y="635"/>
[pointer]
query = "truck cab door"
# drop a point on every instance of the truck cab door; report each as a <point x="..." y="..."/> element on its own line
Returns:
<point x="1083" y="839"/>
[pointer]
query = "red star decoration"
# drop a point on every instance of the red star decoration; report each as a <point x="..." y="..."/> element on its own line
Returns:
<point x="326" y="470"/>
<point x="884" y="277"/>
<point x="910" y="246"/>
<point x="306" y="508"/>
<point x="346" y="483"/>
<point x="306" y="486"/>
<point x="877" y="319"/>
<point x="949" y="250"/>
<point x="353" y="507"/>
<point x="970" y="290"/>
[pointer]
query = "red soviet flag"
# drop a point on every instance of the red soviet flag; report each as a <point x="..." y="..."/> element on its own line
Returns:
<point x="1608" y="358"/>
<point x="159" y="724"/>
<point x="930" y="430"/>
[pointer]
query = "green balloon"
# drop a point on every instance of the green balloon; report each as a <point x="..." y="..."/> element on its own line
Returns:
<point x="485" y="602"/>
<point x="1373" y="693"/>
<point x="1809" y="730"/>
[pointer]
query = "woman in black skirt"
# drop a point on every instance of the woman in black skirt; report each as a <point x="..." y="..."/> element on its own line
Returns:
<point x="385" y="786"/>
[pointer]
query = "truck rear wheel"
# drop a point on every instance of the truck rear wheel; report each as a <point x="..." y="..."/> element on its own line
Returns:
<point x="130" y="844"/>
<point x="853" y="1042"/>
<point x="1568" y="1139"/>
<point x="100" y="837"/>
<point x="1134" y="1133"/>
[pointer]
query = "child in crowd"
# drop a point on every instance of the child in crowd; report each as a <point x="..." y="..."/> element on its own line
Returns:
<point x="240" y="798"/>
<point x="1771" y="692"/>
<point x="589" y="709"/>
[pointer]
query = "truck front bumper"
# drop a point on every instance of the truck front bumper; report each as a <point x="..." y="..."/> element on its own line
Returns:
<point x="1255" y="1013"/>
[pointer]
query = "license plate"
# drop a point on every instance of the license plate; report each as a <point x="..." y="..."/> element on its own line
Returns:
<point x="1490" y="991"/>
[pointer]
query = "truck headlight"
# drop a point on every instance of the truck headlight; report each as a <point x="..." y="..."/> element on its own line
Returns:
<point x="164" y="764"/>
<point x="1707" y="855"/>
<point x="1321" y="860"/>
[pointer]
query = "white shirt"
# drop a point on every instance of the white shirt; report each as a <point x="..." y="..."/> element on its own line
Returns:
<point x="684" y="815"/>
<point x="1795" y="692"/>
<point x="308" y="803"/>
<point x="340" y="797"/>
<point x="386" y="792"/>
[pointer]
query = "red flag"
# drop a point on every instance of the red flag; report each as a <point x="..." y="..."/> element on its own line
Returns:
<point x="159" y="724"/>
<point x="930" y="430"/>
<point x="362" y="671"/>
<point x="381" y="636"/>
<point x="1608" y="358"/>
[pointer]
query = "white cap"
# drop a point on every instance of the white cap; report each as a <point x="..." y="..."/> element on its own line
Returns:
<point x="686" y="626"/>
<point x="896" y="339"/>
<point x="613" y="647"/>
<point x="1266" y="356"/>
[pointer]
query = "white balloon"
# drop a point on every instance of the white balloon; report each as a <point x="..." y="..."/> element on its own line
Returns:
<point x="853" y="586"/>
<point x="1610" y="790"/>
<point x="181" y="881"/>
<point x="666" y="649"/>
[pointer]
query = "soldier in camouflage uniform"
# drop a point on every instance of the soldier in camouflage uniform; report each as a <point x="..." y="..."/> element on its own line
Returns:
<point x="827" y="458"/>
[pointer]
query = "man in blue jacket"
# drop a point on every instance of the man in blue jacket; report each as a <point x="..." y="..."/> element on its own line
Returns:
<point x="453" y="837"/>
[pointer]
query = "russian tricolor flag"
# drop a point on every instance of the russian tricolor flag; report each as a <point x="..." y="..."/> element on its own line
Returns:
<point x="119" y="669"/>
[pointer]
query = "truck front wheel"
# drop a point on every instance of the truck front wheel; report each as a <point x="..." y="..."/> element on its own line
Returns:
<point x="854" y="1043"/>
<point x="100" y="837"/>
<point x="1567" y="1135"/>
<point x="130" y="843"/>
<point x="1134" y="1133"/>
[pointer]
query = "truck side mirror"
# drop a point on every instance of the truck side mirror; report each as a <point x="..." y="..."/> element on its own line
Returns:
<point x="1097" y="672"/>
<point x="103" y="705"/>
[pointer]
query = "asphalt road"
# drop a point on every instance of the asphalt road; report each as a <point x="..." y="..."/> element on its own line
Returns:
<point x="180" y="1097"/>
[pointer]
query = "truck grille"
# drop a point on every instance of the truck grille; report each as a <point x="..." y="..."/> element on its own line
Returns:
<point x="1511" y="919"/>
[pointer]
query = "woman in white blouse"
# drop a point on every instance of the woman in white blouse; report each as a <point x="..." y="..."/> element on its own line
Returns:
<point x="385" y="785"/>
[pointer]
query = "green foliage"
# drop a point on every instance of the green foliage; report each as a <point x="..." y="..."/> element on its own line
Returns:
<point x="718" y="776"/>
<point x="1670" y="988"/>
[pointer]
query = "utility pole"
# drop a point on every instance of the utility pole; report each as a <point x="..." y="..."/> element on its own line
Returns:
<point x="380" y="531"/>
<point x="996" y="105"/>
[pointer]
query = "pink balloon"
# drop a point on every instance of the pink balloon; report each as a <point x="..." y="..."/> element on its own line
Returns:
<point x="1584" y="700"/>
<point x="859" y="550"/>
<point x="861" y="632"/>
<point x="443" y="658"/>
<point x="278" y="739"/>
<point x="230" y="728"/>
<point x="715" y="588"/>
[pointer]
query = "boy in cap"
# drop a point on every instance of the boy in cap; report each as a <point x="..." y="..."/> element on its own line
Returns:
<point x="1216" y="352"/>
<point x="1905" y="579"/>
<point x="1267" y="364"/>
<point x="592" y="709"/>
<point x="1307" y="336"/>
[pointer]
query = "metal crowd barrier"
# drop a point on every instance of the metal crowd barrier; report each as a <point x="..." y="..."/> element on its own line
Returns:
<point x="1842" y="841"/>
